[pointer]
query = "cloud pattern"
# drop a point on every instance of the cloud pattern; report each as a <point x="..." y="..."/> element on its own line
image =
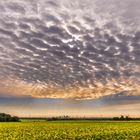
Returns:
<point x="62" y="49"/>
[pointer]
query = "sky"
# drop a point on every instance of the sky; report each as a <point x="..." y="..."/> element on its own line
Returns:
<point x="76" y="58"/>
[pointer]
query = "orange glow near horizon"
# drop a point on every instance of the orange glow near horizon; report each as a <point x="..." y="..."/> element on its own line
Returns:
<point x="87" y="91"/>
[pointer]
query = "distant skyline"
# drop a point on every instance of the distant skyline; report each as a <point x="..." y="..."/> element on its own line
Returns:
<point x="76" y="58"/>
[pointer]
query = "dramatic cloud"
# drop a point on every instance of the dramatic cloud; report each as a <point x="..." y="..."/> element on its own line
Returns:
<point x="79" y="49"/>
<point x="108" y="106"/>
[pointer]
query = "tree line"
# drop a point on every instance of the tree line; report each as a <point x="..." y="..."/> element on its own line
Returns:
<point x="122" y="117"/>
<point x="8" y="118"/>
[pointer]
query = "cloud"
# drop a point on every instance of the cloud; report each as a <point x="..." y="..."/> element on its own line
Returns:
<point x="78" y="91"/>
<point x="50" y="50"/>
<point x="120" y="99"/>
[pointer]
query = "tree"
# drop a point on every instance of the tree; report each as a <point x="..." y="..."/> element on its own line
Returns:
<point x="15" y="119"/>
<point x="122" y="117"/>
<point x="128" y="118"/>
<point x="116" y="118"/>
<point x="8" y="118"/>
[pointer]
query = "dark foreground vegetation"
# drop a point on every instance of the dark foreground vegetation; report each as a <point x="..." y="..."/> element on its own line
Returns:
<point x="8" y="118"/>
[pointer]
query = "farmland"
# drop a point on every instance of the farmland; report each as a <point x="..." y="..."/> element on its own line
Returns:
<point x="70" y="130"/>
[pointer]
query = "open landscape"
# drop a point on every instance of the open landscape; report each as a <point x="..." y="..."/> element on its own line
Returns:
<point x="69" y="70"/>
<point x="70" y="130"/>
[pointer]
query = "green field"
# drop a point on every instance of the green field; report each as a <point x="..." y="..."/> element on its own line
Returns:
<point x="70" y="130"/>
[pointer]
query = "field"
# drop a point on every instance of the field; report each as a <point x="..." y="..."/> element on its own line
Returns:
<point x="70" y="130"/>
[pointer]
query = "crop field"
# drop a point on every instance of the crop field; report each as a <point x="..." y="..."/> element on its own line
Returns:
<point x="70" y="130"/>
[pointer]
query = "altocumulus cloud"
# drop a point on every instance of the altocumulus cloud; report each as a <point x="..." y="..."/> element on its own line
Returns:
<point x="79" y="49"/>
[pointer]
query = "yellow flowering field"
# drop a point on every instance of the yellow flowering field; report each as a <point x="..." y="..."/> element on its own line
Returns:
<point x="70" y="130"/>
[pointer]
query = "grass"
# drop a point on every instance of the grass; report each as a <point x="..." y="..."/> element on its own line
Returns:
<point x="70" y="130"/>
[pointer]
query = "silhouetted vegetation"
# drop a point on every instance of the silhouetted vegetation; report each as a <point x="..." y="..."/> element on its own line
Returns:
<point x="66" y="117"/>
<point x="8" y="118"/>
<point x="127" y="118"/>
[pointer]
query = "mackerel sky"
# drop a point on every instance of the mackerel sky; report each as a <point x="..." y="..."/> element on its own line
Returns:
<point x="86" y="52"/>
